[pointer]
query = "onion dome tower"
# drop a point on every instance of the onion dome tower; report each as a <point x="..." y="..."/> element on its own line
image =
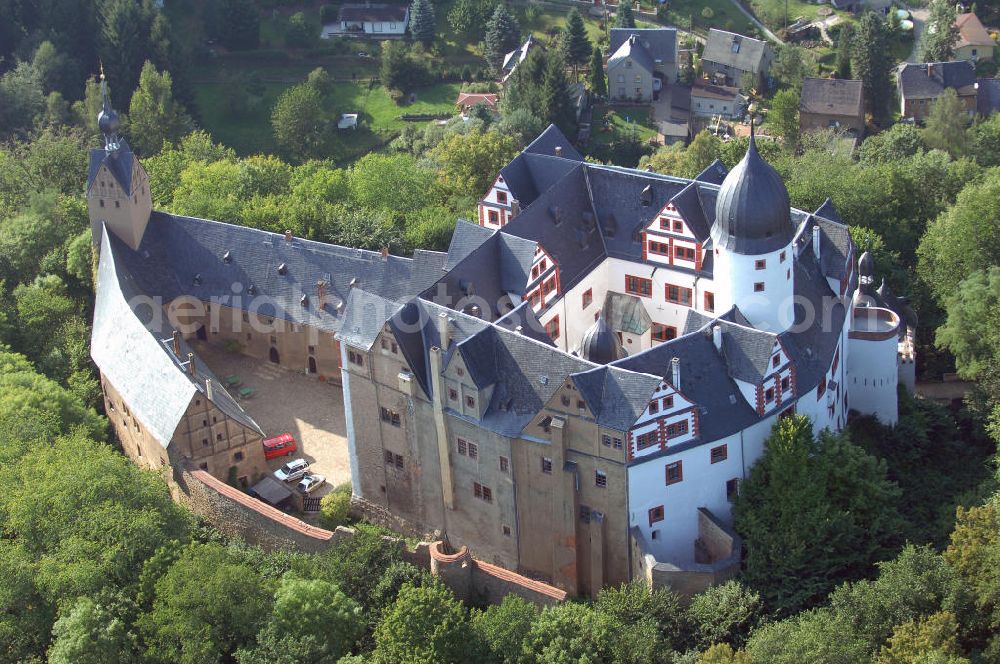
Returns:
<point x="752" y="242"/>
<point x="600" y="343"/>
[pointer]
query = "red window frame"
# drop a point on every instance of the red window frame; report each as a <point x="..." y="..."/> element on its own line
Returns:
<point x="678" y="226"/>
<point x="588" y="297"/>
<point x="682" y="295"/>
<point x="655" y="514"/>
<point x="663" y="332"/>
<point x="502" y="197"/>
<point x="709" y="301"/>
<point x="720" y="453"/>
<point x="677" y="466"/>
<point x="676" y="429"/>
<point x="492" y="216"/>
<point x="552" y="328"/>
<point x="646" y="440"/>
<point x="758" y="287"/>
<point x="760" y="264"/>
<point x="638" y="286"/>
<point x="659" y="248"/>
<point x="684" y="253"/>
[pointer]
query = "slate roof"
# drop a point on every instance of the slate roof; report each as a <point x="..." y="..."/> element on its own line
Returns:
<point x="708" y="90"/>
<point x="928" y="80"/>
<point x="714" y="173"/>
<point x="210" y="259"/>
<point x="747" y="351"/>
<point x="529" y="174"/>
<point x="466" y="238"/>
<point x="120" y="162"/>
<point x="616" y="397"/>
<point x="547" y="142"/>
<point x="971" y="31"/>
<point x="512" y="59"/>
<point x="133" y="350"/>
<point x="689" y="207"/>
<point x="626" y="313"/>
<point x="660" y="44"/>
<point x="835" y="248"/>
<point x="733" y="50"/>
<point x="988" y="96"/>
<point x="364" y="317"/>
<point x="372" y="13"/>
<point x="633" y="49"/>
<point x="523" y="316"/>
<point x="828" y="211"/>
<point x="828" y="96"/>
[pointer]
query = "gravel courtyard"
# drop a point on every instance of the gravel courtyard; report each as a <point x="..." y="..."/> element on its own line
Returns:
<point x="283" y="401"/>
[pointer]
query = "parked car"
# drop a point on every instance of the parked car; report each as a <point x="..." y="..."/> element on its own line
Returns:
<point x="281" y="445"/>
<point x="293" y="470"/>
<point x="311" y="482"/>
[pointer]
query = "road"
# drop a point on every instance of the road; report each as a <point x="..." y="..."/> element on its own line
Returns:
<point x="919" y="18"/>
<point x="753" y="19"/>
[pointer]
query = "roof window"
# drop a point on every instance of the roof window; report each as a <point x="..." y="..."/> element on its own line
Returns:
<point x="283" y="269"/>
<point x="227" y="257"/>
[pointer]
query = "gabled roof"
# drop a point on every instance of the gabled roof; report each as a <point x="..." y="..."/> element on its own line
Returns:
<point x="928" y="80"/>
<point x="466" y="238"/>
<point x="835" y="248"/>
<point x="616" y="397"/>
<point x="659" y="43"/>
<point x="632" y="49"/>
<point x="714" y="173"/>
<point x="828" y="211"/>
<point x="971" y="32"/>
<point x="549" y="140"/>
<point x="131" y="344"/>
<point x="235" y="264"/>
<point x="707" y="89"/>
<point x="120" y="163"/>
<point x="529" y="174"/>
<point x="828" y="96"/>
<point x="689" y="206"/>
<point x="473" y="98"/>
<point x="373" y="13"/>
<point x="733" y="50"/>
<point x="988" y="96"/>
<point x="512" y="59"/>
<point x="364" y="318"/>
<point x="747" y="351"/>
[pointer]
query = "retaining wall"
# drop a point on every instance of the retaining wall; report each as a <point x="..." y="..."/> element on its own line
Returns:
<point x="478" y="582"/>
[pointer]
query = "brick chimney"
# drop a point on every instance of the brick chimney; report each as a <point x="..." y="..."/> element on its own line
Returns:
<point x="209" y="391"/>
<point x="385" y="252"/>
<point x="191" y="367"/>
<point x="177" y="344"/>
<point x="288" y="236"/>
<point x="558" y="150"/>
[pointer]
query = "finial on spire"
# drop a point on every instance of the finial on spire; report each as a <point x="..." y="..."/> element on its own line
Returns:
<point x="107" y="119"/>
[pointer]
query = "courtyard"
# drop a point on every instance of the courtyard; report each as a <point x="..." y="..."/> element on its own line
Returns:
<point x="287" y="401"/>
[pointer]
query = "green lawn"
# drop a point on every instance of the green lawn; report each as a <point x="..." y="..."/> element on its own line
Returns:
<point x="612" y="121"/>
<point x="248" y="133"/>
<point x="379" y="112"/>
<point x="723" y="15"/>
<point x="772" y="12"/>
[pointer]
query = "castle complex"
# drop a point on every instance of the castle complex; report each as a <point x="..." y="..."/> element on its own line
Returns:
<point x="574" y="391"/>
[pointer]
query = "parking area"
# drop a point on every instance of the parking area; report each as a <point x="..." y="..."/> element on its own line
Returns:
<point x="286" y="401"/>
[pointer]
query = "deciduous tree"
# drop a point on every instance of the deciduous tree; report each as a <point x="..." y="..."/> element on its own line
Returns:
<point x="940" y="34"/>
<point x="503" y="627"/>
<point x="425" y="624"/>
<point x="784" y="116"/>
<point x="154" y="116"/>
<point x="945" y="124"/>
<point x="298" y="121"/>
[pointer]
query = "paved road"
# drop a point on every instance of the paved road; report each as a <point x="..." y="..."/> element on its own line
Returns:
<point x="753" y="19"/>
<point x="919" y="18"/>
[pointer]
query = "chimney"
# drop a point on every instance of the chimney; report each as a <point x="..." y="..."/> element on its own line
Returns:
<point x="515" y="208"/>
<point x="930" y="70"/>
<point x="208" y="389"/>
<point x="385" y="252"/>
<point x="519" y="330"/>
<point x="474" y="310"/>
<point x="558" y="150"/>
<point x="288" y="236"/>
<point x="816" y="240"/>
<point x="177" y="344"/>
<point x="675" y="373"/>
<point x="191" y="363"/>
<point x="444" y="330"/>
<point x="321" y="294"/>
<point x="717" y="337"/>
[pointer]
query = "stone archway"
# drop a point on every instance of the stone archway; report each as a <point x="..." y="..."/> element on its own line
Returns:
<point x="312" y="364"/>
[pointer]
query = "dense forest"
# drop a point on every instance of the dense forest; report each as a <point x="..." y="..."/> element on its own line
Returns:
<point x="876" y="544"/>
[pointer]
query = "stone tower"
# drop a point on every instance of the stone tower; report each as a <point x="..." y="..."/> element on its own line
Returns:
<point x="117" y="185"/>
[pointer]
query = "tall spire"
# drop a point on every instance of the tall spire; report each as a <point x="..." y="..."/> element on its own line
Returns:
<point x="107" y="119"/>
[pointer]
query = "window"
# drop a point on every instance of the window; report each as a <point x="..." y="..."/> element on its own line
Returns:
<point x="460" y="371"/>
<point x="565" y="401"/>
<point x="775" y="360"/>
<point x="606" y="440"/>
<point x="397" y="460"/>
<point x="101" y="201"/>
<point x="760" y="265"/>
<point x="654" y="407"/>
<point x="781" y="257"/>
<point x="664" y="224"/>
<point x="661" y="248"/>
<point x="678" y="227"/>
<point x="389" y="416"/>
<point x="356" y="358"/>
<point x="677" y="429"/>
<point x="481" y="492"/>
<point x="588" y="297"/>
<point x="675" y="472"/>
<point x="646" y="440"/>
<point x="664" y="332"/>
<point x="600" y="479"/>
<point x="581" y="404"/>
<point x="238" y="456"/>
<point x="678" y="295"/>
<point x="821" y="388"/>
<point x="118" y="204"/>
<point x="506" y="531"/>
<point x="204" y="442"/>
<point x="502" y="197"/>
<point x="617" y="443"/>
<point x="547" y="465"/>
<point x="720" y="453"/>
<point x="758" y="287"/>
<point x="668" y="402"/>
<point x="470" y="402"/>
<point x="638" y="286"/>
<point x="655" y="514"/>
<point x="203" y="466"/>
<point x="534" y="272"/>
<point x="473" y="451"/>
<point x="684" y="253"/>
<point x="388" y="458"/>
<point x="552" y="328"/>
<point x="769" y="395"/>
<point x="786" y="383"/>
<point x="504" y="464"/>
<point x="218" y="436"/>
<point x="585" y="513"/>
<point x="493" y="216"/>
<point x="453" y="394"/>
<point x="732" y="489"/>
<point x="463" y="447"/>
<point x="709" y="301"/>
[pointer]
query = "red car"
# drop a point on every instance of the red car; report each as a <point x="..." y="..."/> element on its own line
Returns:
<point x="280" y="445"/>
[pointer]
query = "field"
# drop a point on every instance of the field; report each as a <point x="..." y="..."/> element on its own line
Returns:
<point x="611" y="122"/>
<point x="772" y="13"/>
<point x="685" y="13"/>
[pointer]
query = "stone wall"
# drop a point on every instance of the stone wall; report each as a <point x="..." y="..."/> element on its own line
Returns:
<point x="718" y="550"/>
<point x="478" y="582"/>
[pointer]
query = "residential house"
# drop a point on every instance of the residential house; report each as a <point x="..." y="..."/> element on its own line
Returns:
<point x="516" y="57"/>
<point x="730" y="56"/>
<point x="371" y="20"/>
<point x="921" y="84"/>
<point x="660" y="44"/>
<point x="468" y="100"/>
<point x="988" y="96"/>
<point x="828" y="102"/>
<point x="974" y="43"/>
<point x="709" y="100"/>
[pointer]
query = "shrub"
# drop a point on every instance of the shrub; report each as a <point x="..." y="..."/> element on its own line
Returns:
<point x="334" y="507"/>
<point x="707" y="13"/>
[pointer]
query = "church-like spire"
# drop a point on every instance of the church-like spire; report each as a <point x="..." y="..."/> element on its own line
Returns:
<point x="107" y="119"/>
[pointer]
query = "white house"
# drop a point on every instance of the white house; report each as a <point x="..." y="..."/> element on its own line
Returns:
<point x="369" y="19"/>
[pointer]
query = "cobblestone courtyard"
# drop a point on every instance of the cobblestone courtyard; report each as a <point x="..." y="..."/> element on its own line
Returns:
<point x="284" y="400"/>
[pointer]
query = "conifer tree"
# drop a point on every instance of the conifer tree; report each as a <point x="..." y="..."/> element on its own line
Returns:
<point x="422" y="22"/>
<point x="598" y="84"/>
<point x="503" y="34"/>
<point x="844" y="50"/>
<point x="154" y="115"/>
<point x="940" y="34"/>
<point x="623" y="16"/>
<point x="556" y="105"/>
<point x="871" y="62"/>
<point x="574" y="44"/>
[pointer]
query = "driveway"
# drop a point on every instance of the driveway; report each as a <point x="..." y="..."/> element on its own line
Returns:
<point x="919" y="18"/>
<point x="283" y="401"/>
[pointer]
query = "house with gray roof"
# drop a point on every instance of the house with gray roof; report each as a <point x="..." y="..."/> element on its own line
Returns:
<point x="729" y="56"/>
<point x="920" y="85"/>
<point x="642" y="61"/>
<point x="832" y="103"/>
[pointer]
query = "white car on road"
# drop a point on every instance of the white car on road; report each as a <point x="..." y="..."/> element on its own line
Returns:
<point x="311" y="482"/>
<point x="293" y="470"/>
